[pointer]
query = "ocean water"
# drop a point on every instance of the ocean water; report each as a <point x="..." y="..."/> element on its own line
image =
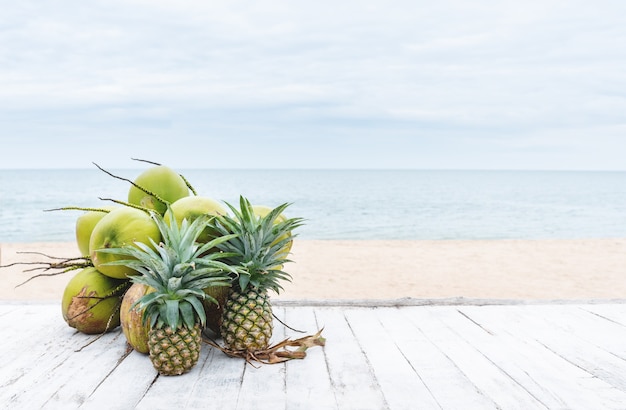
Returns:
<point x="350" y="204"/>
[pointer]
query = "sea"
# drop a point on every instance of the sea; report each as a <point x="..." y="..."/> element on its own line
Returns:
<point x="348" y="204"/>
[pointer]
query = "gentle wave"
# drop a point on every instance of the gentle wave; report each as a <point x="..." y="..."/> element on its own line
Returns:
<point x="350" y="204"/>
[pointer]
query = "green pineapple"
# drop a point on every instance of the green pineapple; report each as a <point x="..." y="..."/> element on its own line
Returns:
<point x="178" y="274"/>
<point x="258" y="250"/>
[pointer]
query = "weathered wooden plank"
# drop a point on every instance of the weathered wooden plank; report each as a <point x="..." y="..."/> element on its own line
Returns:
<point x="600" y="331"/>
<point x="26" y="326"/>
<point x="307" y="382"/>
<point x="69" y="384"/>
<point x="598" y="358"/>
<point x="524" y="356"/>
<point x="218" y="385"/>
<point x="265" y="383"/>
<point x="557" y="382"/>
<point x="176" y="391"/>
<point x="124" y="387"/>
<point x="487" y="376"/>
<point x="574" y="338"/>
<point x="7" y="309"/>
<point x="350" y="372"/>
<point x="23" y="338"/>
<point x="614" y="312"/>
<point x="400" y="384"/>
<point x="220" y="382"/>
<point x="447" y="383"/>
<point x="18" y="378"/>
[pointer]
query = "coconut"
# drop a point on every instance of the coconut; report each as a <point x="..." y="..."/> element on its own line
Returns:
<point x="190" y="208"/>
<point x="131" y="318"/>
<point x="84" y="226"/>
<point x="91" y="302"/>
<point x="121" y="227"/>
<point x="162" y="181"/>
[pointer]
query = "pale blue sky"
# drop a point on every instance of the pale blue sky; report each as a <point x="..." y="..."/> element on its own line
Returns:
<point x="321" y="84"/>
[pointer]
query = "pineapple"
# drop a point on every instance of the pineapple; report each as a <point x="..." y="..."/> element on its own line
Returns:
<point x="258" y="250"/>
<point x="178" y="274"/>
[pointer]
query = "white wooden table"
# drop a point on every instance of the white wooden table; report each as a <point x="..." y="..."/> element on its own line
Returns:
<point x="412" y="356"/>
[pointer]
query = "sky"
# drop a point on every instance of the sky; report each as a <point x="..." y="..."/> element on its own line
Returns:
<point x="480" y="84"/>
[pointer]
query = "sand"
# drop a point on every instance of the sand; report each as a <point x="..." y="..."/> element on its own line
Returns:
<point x="580" y="269"/>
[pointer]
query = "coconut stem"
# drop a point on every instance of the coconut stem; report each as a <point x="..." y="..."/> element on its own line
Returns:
<point x="117" y="201"/>
<point x="188" y="185"/>
<point x="147" y="191"/>
<point x="146" y="161"/>
<point x="99" y="299"/>
<point x="180" y="175"/>
<point x="78" y="208"/>
<point x="63" y="265"/>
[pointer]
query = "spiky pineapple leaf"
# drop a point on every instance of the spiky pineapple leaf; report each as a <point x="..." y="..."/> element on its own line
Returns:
<point x="187" y="313"/>
<point x="178" y="269"/>
<point x="261" y="244"/>
<point x="172" y="312"/>
<point x="197" y="307"/>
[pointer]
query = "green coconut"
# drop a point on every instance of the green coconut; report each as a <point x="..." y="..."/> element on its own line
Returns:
<point x="162" y="181"/>
<point x="131" y="319"/>
<point x="91" y="301"/>
<point x="190" y="208"/>
<point x="120" y="227"/>
<point x="84" y="226"/>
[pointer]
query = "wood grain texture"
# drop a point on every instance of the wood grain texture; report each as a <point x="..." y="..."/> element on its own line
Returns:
<point x="402" y="356"/>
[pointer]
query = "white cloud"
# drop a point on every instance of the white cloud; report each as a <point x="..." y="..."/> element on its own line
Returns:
<point x="406" y="72"/>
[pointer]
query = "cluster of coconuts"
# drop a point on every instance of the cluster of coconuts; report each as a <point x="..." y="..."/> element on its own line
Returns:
<point x="97" y="299"/>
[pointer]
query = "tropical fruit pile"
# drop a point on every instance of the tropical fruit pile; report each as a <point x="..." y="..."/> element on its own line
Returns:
<point x="169" y="265"/>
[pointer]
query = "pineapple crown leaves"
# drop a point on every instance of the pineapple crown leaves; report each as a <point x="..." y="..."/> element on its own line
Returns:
<point x="179" y="269"/>
<point x="260" y="246"/>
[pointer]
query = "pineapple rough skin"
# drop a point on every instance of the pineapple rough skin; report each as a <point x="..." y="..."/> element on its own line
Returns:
<point x="174" y="352"/>
<point x="247" y="321"/>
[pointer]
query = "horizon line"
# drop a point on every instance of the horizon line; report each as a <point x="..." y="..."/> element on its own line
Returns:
<point x="321" y="169"/>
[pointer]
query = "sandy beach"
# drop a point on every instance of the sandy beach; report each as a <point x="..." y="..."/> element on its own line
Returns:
<point x="482" y="269"/>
